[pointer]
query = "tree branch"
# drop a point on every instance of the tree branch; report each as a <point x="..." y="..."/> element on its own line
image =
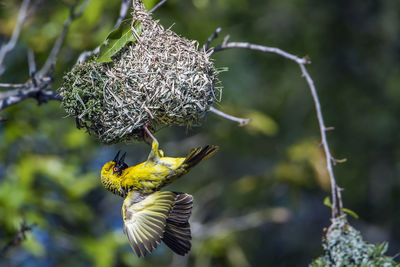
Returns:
<point x="265" y="49"/>
<point x="52" y="58"/>
<point x="125" y="4"/>
<point x="9" y="46"/>
<point x="211" y="38"/>
<point x="39" y="92"/>
<point x="39" y="84"/>
<point x="123" y="11"/>
<point x="12" y="85"/>
<point x="18" y="238"/>
<point x="337" y="204"/>
<point x="241" y="121"/>
<point x="159" y="4"/>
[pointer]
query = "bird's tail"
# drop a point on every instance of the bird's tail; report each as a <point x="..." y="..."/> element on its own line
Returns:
<point x="198" y="154"/>
<point x="177" y="233"/>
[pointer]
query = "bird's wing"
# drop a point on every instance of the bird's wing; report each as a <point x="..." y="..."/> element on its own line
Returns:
<point x="145" y="218"/>
<point x="177" y="233"/>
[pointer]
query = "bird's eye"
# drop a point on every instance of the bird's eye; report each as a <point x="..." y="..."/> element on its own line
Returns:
<point x="115" y="169"/>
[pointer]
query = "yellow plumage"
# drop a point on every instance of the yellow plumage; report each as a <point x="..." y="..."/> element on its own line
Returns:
<point x="151" y="216"/>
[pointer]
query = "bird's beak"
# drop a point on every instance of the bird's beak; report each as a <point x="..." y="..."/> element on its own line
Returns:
<point x="117" y="156"/>
<point x="122" y="159"/>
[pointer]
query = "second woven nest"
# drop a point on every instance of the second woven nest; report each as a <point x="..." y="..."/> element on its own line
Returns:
<point x="161" y="79"/>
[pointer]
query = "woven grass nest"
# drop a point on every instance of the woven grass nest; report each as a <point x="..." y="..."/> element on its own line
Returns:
<point x="160" y="79"/>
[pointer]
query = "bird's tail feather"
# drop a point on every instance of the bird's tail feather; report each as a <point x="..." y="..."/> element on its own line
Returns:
<point x="177" y="233"/>
<point x="198" y="154"/>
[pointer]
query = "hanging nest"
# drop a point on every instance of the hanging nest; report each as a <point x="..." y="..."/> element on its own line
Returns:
<point x="160" y="79"/>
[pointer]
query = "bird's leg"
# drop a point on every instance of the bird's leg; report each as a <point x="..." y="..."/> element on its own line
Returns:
<point x="155" y="153"/>
<point x="149" y="134"/>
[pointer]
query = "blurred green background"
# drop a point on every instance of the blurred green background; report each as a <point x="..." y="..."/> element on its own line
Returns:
<point x="259" y="201"/>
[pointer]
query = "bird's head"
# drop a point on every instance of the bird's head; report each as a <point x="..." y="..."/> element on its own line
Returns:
<point x="117" y="165"/>
<point x="120" y="164"/>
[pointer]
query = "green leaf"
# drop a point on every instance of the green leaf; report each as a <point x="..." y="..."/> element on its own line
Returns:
<point x="327" y="202"/>
<point x="117" y="39"/>
<point x="350" y="212"/>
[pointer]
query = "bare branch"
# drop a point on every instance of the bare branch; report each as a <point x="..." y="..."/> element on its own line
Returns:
<point x="4" y="49"/>
<point x="241" y="121"/>
<point x="335" y="192"/>
<point x="31" y="62"/>
<point x="39" y="92"/>
<point x="337" y="204"/>
<point x="154" y="9"/>
<point x="211" y="38"/>
<point x="261" y="48"/>
<point x="12" y="85"/>
<point x="125" y="4"/>
<point x="35" y="87"/>
<point x="52" y="58"/>
<point x="32" y="66"/>
<point x="40" y="83"/>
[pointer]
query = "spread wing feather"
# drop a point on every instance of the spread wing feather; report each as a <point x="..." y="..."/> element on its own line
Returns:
<point x="145" y="218"/>
<point x="161" y="216"/>
<point x="177" y="233"/>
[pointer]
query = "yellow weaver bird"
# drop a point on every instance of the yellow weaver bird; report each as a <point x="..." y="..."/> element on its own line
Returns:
<point x="150" y="215"/>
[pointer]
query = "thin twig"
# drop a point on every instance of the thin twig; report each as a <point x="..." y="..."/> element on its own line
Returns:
<point x="123" y="11"/>
<point x="38" y="86"/>
<point x="31" y="62"/>
<point x="241" y="121"/>
<point x="154" y="9"/>
<point x="32" y="67"/>
<point x="39" y="92"/>
<point x="264" y="49"/>
<point x="335" y="192"/>
<point x="125" y="4"/>
<point x="337" y="204"/>
<point x="18" y="238"/>
<point x="211" y="38"/>
<point x="4" y="49"/>
<point x="52" y="58"/>
<point x="12" y="85"/>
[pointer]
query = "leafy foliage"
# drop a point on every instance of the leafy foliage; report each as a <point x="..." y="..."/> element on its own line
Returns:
<point x="117" y="39"/>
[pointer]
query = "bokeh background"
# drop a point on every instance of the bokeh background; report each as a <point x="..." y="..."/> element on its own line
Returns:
<point x="259" y="201"/>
